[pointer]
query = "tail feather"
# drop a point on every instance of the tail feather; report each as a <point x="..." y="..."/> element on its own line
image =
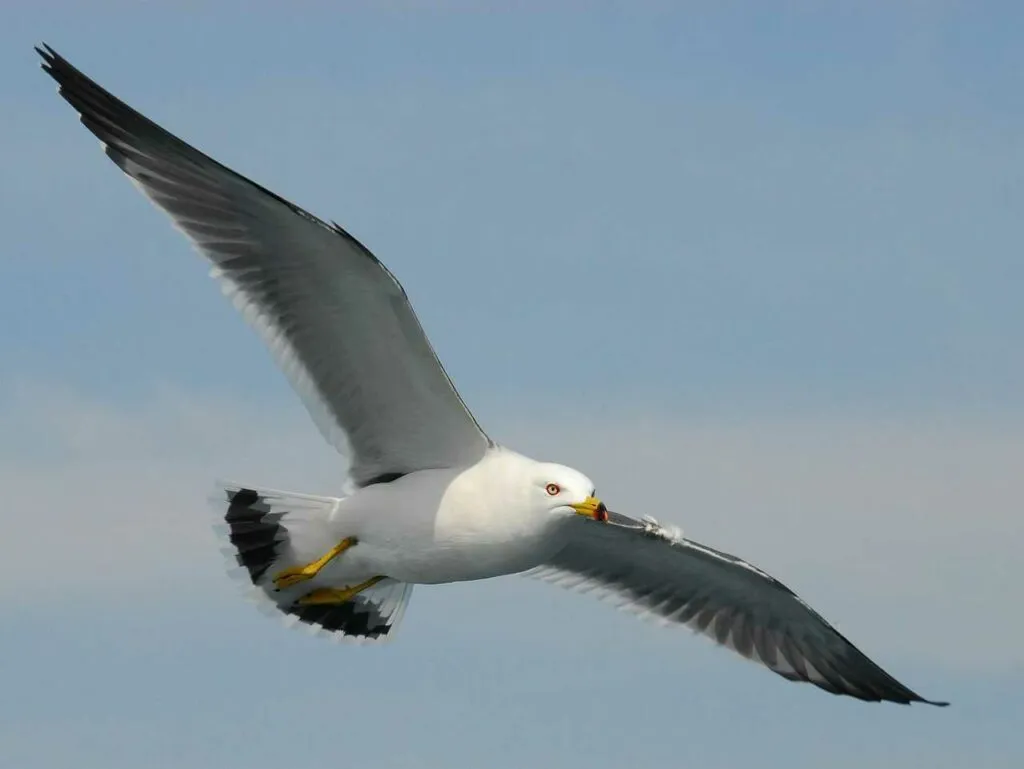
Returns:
<point x="262" y="525"/>
<point x="255" y="532"/>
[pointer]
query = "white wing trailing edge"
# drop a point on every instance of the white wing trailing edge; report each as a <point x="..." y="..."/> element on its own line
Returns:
<point x="657" y="573"/>
<point x="341" y="327"/>
<point x="336" y="320"/>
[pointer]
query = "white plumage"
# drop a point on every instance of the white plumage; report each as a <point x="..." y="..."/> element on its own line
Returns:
<point x="433" y="499"/>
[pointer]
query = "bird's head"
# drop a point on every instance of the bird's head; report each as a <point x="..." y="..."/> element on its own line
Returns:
<point x="566" y="492"/>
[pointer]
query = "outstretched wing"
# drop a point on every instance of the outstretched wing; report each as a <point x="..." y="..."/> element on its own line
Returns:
<point x="335" y="318"/>
<point x="653" y="571"/>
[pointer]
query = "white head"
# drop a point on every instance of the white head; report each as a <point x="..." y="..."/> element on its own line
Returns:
<point x="527" y="496"/>
<point x="564" y="492"/>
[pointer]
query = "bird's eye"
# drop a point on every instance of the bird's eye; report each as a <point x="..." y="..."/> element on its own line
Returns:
<point x="553" y="489"/>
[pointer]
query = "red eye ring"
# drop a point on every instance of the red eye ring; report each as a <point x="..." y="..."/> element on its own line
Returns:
<point x="553" y="489"/>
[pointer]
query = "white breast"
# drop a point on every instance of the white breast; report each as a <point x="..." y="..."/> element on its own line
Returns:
<point x="439" y="526"/>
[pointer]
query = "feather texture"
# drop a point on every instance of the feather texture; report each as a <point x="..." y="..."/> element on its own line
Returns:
<point x="656" y="572"/>
<point x="336" y="320"/>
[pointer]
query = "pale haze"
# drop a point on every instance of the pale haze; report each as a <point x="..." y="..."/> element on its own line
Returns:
<point x="757" y="274"/>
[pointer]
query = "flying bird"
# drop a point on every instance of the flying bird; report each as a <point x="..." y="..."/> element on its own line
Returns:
<point x="429" y="498"/>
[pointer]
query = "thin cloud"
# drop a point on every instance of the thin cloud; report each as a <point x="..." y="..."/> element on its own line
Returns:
<point x="902" y="533"/>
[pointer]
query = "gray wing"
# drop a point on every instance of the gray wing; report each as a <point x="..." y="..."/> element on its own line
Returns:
<point x="335" y="318"/>
<point x="654" y="571"/>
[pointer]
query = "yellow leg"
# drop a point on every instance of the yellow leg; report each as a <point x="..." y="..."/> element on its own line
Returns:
<point x="296" y="574"/>
<point x="331" y="595"/>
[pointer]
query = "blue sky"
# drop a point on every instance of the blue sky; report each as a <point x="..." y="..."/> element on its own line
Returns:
<point x="774" y="256"/>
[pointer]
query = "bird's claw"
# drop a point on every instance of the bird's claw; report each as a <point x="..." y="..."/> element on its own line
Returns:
<point x="295" y="575"/>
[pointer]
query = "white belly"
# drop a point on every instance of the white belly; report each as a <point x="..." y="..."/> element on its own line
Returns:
<point x="429" y="528"/>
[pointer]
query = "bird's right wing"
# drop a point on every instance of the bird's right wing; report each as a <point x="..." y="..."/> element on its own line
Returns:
<point x="336" y="319"/>
<point x="656" y="572"/>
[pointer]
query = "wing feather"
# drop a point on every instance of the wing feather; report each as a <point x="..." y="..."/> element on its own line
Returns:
<point x="655" y="571"/>
<point x="336" y="320"/>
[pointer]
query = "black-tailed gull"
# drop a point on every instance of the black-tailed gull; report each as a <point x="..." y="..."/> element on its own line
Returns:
<point x="431" y="499"/>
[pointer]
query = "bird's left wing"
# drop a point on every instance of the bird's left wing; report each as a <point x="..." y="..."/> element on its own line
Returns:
<point x="655" y="571"/>
<point x="334" y="317"/>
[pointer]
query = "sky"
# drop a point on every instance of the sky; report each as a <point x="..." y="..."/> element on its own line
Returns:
<point x="754" y="268"/>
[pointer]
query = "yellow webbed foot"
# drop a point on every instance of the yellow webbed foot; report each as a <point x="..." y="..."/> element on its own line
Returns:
<point x="296" y="574"/>
<point x="332" y="595"/>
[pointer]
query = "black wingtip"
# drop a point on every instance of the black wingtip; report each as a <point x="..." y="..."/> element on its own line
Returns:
<point x="56" y="66"/>
<point x="48" y="55"/>
<point x="917" y="699"/>
<point x="53" y="64"/>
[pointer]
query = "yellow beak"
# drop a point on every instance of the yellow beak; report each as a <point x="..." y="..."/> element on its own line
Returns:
<point x="592" y="507"/>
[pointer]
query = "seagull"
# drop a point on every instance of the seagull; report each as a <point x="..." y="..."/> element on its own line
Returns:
<point x="428" y="497"/>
